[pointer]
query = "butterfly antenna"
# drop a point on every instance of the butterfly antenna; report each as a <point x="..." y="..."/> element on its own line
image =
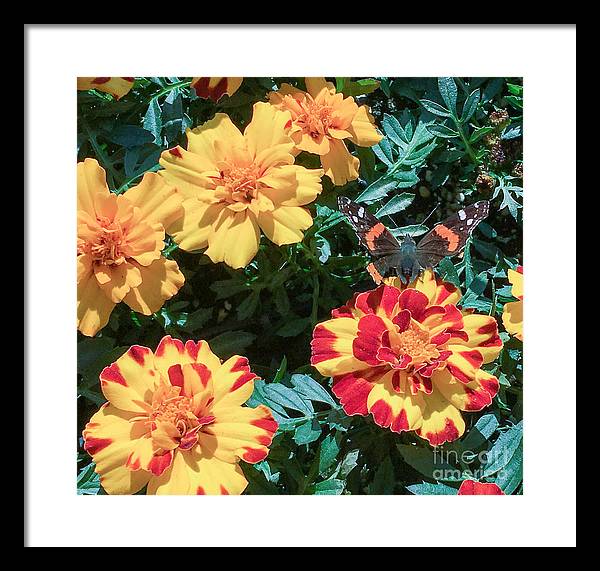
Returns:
<point x="430" y="214"/>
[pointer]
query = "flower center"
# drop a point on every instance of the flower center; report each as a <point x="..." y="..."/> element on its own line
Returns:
<point x="176" y="410"/>
<point x="415" y="343"/>
<point x="107" y="247"/>
<point x="315" y="120"/>
<point x="241" y="184"/>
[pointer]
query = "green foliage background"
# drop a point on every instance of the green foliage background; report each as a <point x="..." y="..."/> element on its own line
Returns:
<point x="448" y="142"/>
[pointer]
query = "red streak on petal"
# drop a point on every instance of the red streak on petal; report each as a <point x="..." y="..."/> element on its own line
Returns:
<point x="159" y="464"/>
<point x="264" y="440"/>
<point x="176" y="152"/>
<point x="400" y="423"/>
<point x="201" y="87"/>
<point x="382" y="413"/>
<point x="95" y="445"/>
<point x="458" y="373"/>
<point x="218" y="90"/>
<point x="166" y="342"/>
<point x="138" y="354"/>
<point x="130" y="79"/>
<point x="415" y="301"/>
<point x="472" y="488"/>
<point x="100" y="80"/>
<point x="203" y="372"/>
<point x="444" y="292"/>
<point x="267" y="424"/>
<point x="175" y="374"/>
<point x="288" y="124"/>
<point x="254" y="455"/>
<point x="448" y="434"/>
<point x="200" y="491"/>
<point x="224" y="492"/>
<point x="353" y="393"/>
<point x="193" y="349"/>
<point x="490" y="327"/>
<point x="322" y="345"/>
<point x="112" y="374"/>
<point x="135" y="465"/>
<point x="474" y="358"/>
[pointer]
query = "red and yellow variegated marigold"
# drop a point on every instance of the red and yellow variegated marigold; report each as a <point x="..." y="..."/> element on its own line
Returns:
<point x="174" y="421"/>
<point x="215" y="87"/>
<point x="119" y="243"/>
<point x="238" y="184"/>
<point x="410" y="357"/>
<point x="321" y="120"/>
<point x="472" y="488"/>
<point x="116" y="86"/>
<point x="512" y="316"/>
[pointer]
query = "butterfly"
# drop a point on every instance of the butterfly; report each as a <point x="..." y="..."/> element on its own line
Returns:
<point x="406" y="258"/>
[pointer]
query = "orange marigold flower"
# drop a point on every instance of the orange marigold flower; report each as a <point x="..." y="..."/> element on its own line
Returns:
<point x="512" y="316"/>
<point x="408" y="356"/>
<point x="119" y="243"/>
<point x="215" y="87"/>
<point x="238" y="184"/>
<point x="472" y="488"/>
<point x="321" y="120"/>
<point x="116" y="86"/>
<point x="174" y="421"/>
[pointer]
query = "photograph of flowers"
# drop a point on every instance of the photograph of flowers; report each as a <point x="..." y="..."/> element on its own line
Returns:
<point x="300" y="285"/>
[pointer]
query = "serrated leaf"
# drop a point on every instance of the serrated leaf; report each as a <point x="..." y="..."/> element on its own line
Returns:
<point x="312" y="390"/>
<point x="396" y="204"/>
<point x="329" y="450"/>
<point x="288" y="398"/>
<point x="503" y="450"/>
<point x="307" y="432"/>
<point x="443" y="131"/>
<point x="426" y="489"/>
<point x="394" y="130"/>
<point x="153" y="120"/>
<point x="435" y="108"/>
<point x="330" y="487"/>
<point x="449" y="92"/>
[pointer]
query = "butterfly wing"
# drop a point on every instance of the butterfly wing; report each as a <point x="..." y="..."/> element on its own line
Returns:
<point x="449" y="237"/>
<point x="372" y="233"/>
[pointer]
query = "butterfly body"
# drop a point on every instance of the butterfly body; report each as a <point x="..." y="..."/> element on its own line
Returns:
<point x="405" y="258"/>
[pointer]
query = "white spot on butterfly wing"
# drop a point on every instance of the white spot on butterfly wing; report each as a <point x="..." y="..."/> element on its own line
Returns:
<point x="361" y="211"/>
<point x="355" y="219"/>
<point x="469" y="222"/>
<point x="462" y="214"/>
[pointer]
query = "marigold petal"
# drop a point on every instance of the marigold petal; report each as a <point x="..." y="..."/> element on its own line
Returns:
<point x="267" y="131"/>
<point x="211" y="476"/>
<point x="392" y="409"/>
<point x="472" y="396"/>
<point x="332" y="352"/>
<point x="292" y="185"/>
<point x="116" y="86"/>
<point x="131" y="380"/>
<point x="285" y="224"/>
<point x="381" y="301"/>
<point x="234" y="238"/>
<point x="512" y="318"/>
<point x="215" y="87"/>
<point x="314" y="86"/>
<point x="116" y="280"/>
<point x="363" y="129"/>
<point x="239" y="433"/>
<point x="352" y="390"/>
<point x="93" y="305"/>
<point x="110" y="438"/>
<point x="483" y="335"/>
<point x="93" y="196"/>
<point x="174" y="352"/>
<point x="233" y="382"/>
<point x="158" y="202"/>
<point x="472" y="488"/>
<point x="442" y="421"/>
<point x="516" y="279"/>
<point x="339" y="165"/>
<point x="175" y="480"/>
<point x="160" y="281"/>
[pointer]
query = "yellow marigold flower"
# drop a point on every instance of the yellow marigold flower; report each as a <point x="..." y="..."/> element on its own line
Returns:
<point x="321" y="120"/>
<point x="238" y="184"/>
<point x="174" y="421"/>
<point x="512" y="316"/>
<point x="411" y="358"/>
<point x="116" y="86"/>
<point x="119" y="244"/>
<point x="215" y="87"/>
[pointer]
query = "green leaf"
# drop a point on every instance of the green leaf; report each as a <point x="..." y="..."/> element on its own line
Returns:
<point x="435" y="108"/>
<point x="410" y="230"/>
<point x="129" y="136"/>
<point x="448" y="272"/>
<point x="312" y="390"/>
<point x="426" y="489"/>
<point x="153" y="120"/>
<point x="394" y="130"/>
<point x="329" y="450"/>
<point x="504" y="449"/>
<point x="470" y="105"/>
<point x="482" y="431"/>
<point x="428" y="462"/>
<point x="396" y="204"/>
<point x="384" y="480"/>
<point x="307" y="432"/>
<point x="231" y="343"/>
<point x="360" y="87"/>
<point x="331" y="487"/>
<point x="293" y="327"/>
<point x="377" y="190"/>
<point x="88" y="482"/>
<point x="440" y="130"/>
<point x="288" y="398"/>
<point x="449" y="92"/>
